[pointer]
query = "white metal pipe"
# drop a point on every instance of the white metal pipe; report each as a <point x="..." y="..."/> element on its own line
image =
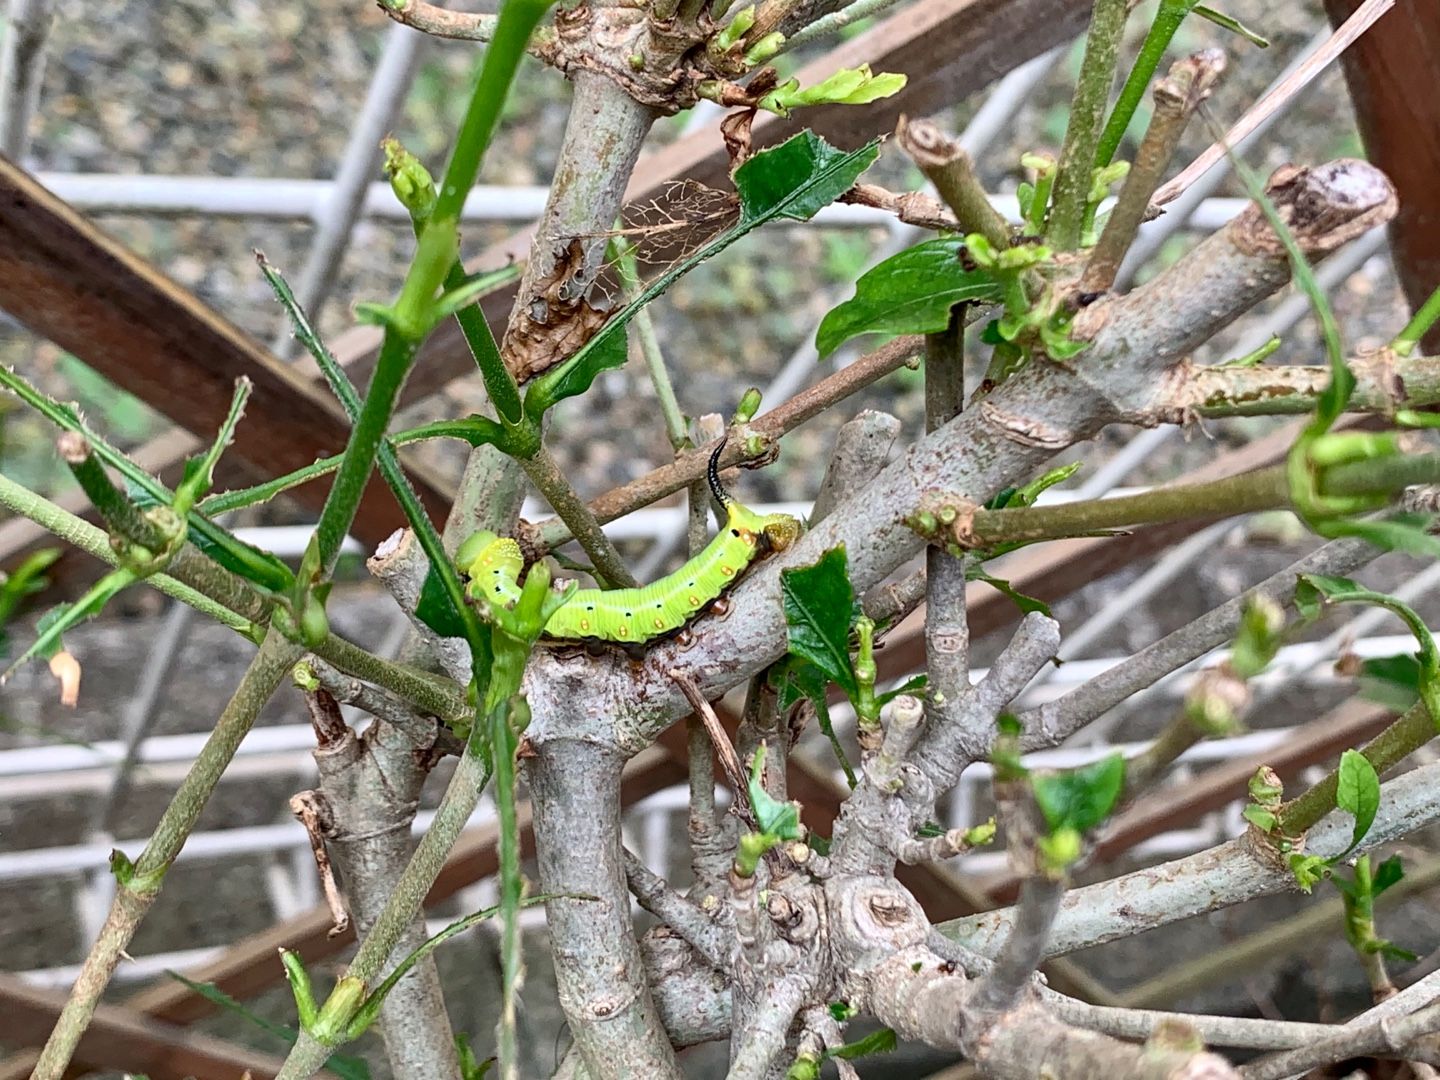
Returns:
<point x="279" y="199"/>
<point x="335" y="222"/>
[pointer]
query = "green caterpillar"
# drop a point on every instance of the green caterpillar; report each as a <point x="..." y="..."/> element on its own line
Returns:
<point x="635" y="616"/>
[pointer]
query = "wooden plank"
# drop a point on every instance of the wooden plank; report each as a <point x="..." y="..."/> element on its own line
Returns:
<point x="119" y="1039"/>
<point x="1394" y="76"/>
<point x="69" y="282"/>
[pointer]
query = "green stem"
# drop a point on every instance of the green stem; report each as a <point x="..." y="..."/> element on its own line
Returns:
<point x="475" y="430"/>
<point x="1087" y="113"/>
<point x="675" y="427"/>
<point x="1426" y="317"/>
<point x="1406" y="735"/>
<point x="518" y="19"/>
<point x="1263" y="489"/>
<point x="544" y="472"/>
<point x="397" y="353"/>
<point x="121" y="515"/>
<point x="499" y="383"/>
<point x="196" y="581"/>
<point x="1175" y="98"/>
<point x="503" y="743"/>
<point x="434" y="258"/>
<point x="85" y="536"/>
<point x="429" y="693"/>
<point x="458" y="803"/>
<point x="1167" y="20"/>
<point x="477" y="635"/>
<point x="140" y="884"/>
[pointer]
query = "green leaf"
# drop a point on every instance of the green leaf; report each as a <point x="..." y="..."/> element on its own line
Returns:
<point x="1080" y="798"/>
<point x="799" y="178"/>
<point x="1263" y="819"/>
<point x="1392" y="681"/>
<point x="1308" y="870"/>
<point x="471" y="1068"/>
<point x="912" y="685"/>
<point x="60" y="619"/>
<point x="1025" y="603"/>
<point x="803" y="680"/>
<point x="883" y="1041"/>
<point x="1312" y="590"/>
<point x="1392" y="951"/>
<point x="793" y="180"/>
<point x="342" y="1065"/>
<point x="610" y="351"/>
<point x="819" y="605"/>
<point x="908" y="293"/>
<point x="777" y="819"/>
<point x="1358" y="794"/>
<point x="1388" y="873"/>
<point x="436" y="610"/>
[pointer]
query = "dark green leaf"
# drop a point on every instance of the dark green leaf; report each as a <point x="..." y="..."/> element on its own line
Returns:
<point x="436" y="610"/>
<point x="819" y="606"/>
<point x="1392" y="681"/>
<point x="909" y="686"/>
<point x="774" y="818"/>
<point x="877" y="1042"/>
<point x="908" y="293"/>
<point x="1388" y="873"/>
<point x="342" y="1065"/>
<point x="799" y="178"/>
<point x="1080" y="798"/>
<point x="1358" y="794"/>
<point x="1025" y="603"/>
<point x="610" y="351"/>
<point x="804" y="680"/>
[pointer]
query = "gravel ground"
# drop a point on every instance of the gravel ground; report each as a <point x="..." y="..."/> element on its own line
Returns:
<point x="253" y="89"/>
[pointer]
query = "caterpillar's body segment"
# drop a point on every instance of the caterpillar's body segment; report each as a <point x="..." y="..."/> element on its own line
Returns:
<point x="635" y="615"/>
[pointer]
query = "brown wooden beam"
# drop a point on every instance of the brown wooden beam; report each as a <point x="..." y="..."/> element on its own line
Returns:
<point x="1394" y="76"/>
<point x="120" y="1039"/>
<point x="69" y="282"/>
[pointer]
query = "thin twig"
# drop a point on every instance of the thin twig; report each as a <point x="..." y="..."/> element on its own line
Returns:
<point x="1177" y="96"/>
<point x="691" y="466"/>
<point x="1087" y="115"/>
<point x="310" y="810"/>
<point x="729" y="759"/>
<point x="140" y="883"/>
<point x="946" y="164"/>
<point x="1278" y="98"/>
<point x="545" y="473"/>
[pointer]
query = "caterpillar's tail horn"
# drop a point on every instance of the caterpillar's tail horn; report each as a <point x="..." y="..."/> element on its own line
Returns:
<point x="712" y="474"/>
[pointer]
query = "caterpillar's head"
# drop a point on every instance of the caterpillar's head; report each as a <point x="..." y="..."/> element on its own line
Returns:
<point x="778" y="530"/>
<point x="485" y="556"/>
